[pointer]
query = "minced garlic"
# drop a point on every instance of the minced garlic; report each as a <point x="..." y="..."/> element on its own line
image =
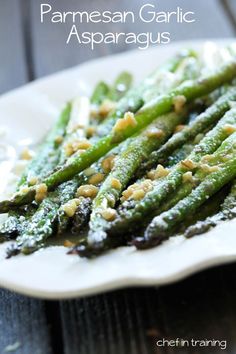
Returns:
<point x="90" y="131"/>
<point x="81" y="145"/>
<point x="24" y="190"/>
<point x="41" y="192"/>
<point x="229" y="128"/>
<point x="159" y="172"/>
<point x="189" y="164"/>
<point x="106" y="107"/>
<point x="115" y="183"/>
<point x="68" y="243"/>
<point x="138" y="194"/>
<point x="207" y="158"/>
<point x="59" y="139"/>
<point x="146" y="185"/>
<point x="96" y="179"/>
<point x="141" y="189"/>
<point x="154" y="133"/>
<point x="188" y="177"/>
<point x="87" y="191"/>
<point x="209" y="169"/>
<point x="68" y="149"/>
<point x="33" y="181"/>
<point x="179" y="102"/>
<point x="109" y="214"/>
<point x="26" y="154"/>
<point x="78" y="146"/>
<point x="127" y="121"/>
<point x="108" y="163"/>
<point x="70" y="207"/>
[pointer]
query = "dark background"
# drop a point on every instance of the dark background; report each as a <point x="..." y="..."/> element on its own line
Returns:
<point x="131" y="320"/>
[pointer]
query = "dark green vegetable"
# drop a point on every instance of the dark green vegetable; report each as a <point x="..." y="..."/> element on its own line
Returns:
<point x="42" y="224"/>
<point x="100" y="92"/>
<point x="134" y="99"/>
<point x="227" y="212"/>
<point x="44" y="162"/>
<point x="122" y="84"/>
<point x="162" y="105"/>
<point x="161" y="226"/>
<point x="197" y="126"/>
<point x="153" y="200"/>
<point x="125" y="166"/>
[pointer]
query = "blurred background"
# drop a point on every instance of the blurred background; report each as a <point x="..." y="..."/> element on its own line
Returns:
<point x="30" y="49"/>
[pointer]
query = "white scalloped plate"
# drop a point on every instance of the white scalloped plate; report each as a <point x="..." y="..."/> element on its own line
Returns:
<point x="50" y="273"/>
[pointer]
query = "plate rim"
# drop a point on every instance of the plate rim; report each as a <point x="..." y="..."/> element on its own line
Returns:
<point x="134" y="281"/>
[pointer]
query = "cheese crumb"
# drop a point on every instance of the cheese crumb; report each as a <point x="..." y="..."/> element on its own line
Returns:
<point x="78" y="146"/>
<point x="189" y="164"/>
<point x="108" y="163"/>
<point x="127" y="121"/>
<point x="59" y="139"/>
<point x="106" y="107"/>
<point x="26" y="154"/>
<point x="207" y="158"/>
<point x="90" y="131"/>
<point x="81" y="145"/>
<point x="179" y="102"/>
<point x="68" y="243"/>
<point x="70" y="207"/>
<point x="137" y="190"/>
<point x="115" y="183"/>
<point x="138" y="194"/>
<point x="96" y="179"/>
<point x="87" y="191"/>
<point x="41" y="192"/>
<point x="209" y="169"/>
<point x="188" y="177"/>
<point x="68" y="149"/>
<point x="23" y="190"/>
<point x="154" y="133"/>
<point x="109" y="214"/>
<point x="159" y="172"/>
<point x="33" y="181"/>
<point x="229" y="128"/>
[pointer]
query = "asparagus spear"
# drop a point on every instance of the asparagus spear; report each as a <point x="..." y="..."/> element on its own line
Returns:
<point x="44" y="226"/>
<point x="159" y="106"/>
<point x="161" y="226"/>
<point x="42" y="164"/>
<point x="168" y="185"/>
<point x="184" y="71"/>
<point x="125" y="166"/>
<point x="46" y="158"/>
<point x="43" y="222"/>
<point x="104" y="93"/>
<point x="100" y="93"/>
<point x="227" y="212"/>
<point x="79" y="113"/>
<point x="98" y="240"/>
<point x="122" y="84"/>
<point x="197" y="126"/>
<point x="188" y="68"/>
<point x="81" y="216"/>
<point x="135" y="97"/>
<point x="41" y="225"/>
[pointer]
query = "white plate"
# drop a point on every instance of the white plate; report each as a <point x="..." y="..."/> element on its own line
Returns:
<point x="50" y="273"/>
